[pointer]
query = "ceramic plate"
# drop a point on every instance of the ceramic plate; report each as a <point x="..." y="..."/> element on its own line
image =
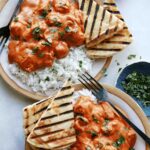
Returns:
<point x="134" y="112"/>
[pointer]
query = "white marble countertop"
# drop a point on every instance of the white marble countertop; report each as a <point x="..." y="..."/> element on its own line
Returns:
<point x="135" y="12"/>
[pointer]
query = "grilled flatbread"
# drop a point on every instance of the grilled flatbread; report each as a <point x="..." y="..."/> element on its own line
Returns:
<point x="35" y="148"/>
<point x="111" y="6"/>
<point x="32" y="113"/>
<point x="116" y="43"/>
<point x="100" y="24"/>
<point x="54" y="129"/>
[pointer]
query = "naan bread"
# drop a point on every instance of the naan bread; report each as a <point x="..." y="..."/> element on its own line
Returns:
<point x="32" y="113"/>
<point x="114" y="44"/>
<point x="54" y="129"/>
<point x="99" y="24"/>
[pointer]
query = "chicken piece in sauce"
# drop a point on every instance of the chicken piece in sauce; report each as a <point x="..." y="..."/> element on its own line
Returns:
<point x="99" y="127"/>
<point x="43" y="31"/>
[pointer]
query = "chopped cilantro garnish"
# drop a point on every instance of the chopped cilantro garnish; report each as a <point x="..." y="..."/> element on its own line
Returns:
<point x="41" y="55"/>
<point x="118" y="63"/>
<point x="106" y="121"/>
<point x="16" y="19"/>
<point x="61" y="33"/>
<point x="80" y="63"/>
<point x="53" y="70"/>
<point x="34" y="50"/>
<point x="36" y="33"/>
<point x="53" y="30"/>
<point x="43" y="13"/>
<point x="138" y="85"/>
<point x="131" y="56"/>
<point x="67" y="29"/>
<point x="119" y="142"/>
<point x="95" y="119"/>
<point x="47" y="79"/>
<point x="46" y="43"/>
<point x="105" y="126"/>
<point x="105" y="75"/>
<point x="93" y="133"/>
<point x="119" y="69"/>
<point x="36" y="30"/>
<point x="58" y="24"/>
<point x="28" y="26"/>
<point x="83" y="119"/>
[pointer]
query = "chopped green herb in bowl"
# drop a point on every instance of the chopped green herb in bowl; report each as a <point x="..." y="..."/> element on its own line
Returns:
<point x="138" y="85"/>
<point x="134" y="79"/>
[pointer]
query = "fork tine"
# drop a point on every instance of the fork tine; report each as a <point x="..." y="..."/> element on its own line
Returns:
<point x="2" y="43"/>
<point x="141" y="133"/>
<point x="87" y="85"/>
<point x="100" y="86"/>
<point x="95" y="85"/>
<point x="5" y="40"/>
<point x="1" y="40"/>
<point x="84" y="84"/>
<point x="93" y="92"/>
<point x="99" y="92"/>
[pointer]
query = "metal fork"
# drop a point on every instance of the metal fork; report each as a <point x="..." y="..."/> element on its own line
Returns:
<point x="101" y="94"/>
<point x="4" y="31"/>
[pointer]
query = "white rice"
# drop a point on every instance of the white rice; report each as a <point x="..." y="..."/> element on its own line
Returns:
<point x="83" y="92"/>
<point x="52" y="78"/>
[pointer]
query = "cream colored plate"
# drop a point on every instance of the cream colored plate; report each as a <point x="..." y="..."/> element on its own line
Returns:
<point x="2" y="4"/>
<point x="127" y="104"/>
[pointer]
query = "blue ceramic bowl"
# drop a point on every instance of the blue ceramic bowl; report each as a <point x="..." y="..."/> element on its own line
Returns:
<point x="142" y="67"/>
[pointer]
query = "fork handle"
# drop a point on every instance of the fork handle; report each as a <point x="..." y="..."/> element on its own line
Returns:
<point x="141" y="133"/>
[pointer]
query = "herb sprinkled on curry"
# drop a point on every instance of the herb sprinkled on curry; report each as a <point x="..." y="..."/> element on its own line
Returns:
<point x="53" y="26"/>
<point x="100" y="128"/>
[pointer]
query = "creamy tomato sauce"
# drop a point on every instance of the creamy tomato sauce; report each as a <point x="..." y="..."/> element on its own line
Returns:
<point x="98" y="127"/>
<point x="43" y="31"/>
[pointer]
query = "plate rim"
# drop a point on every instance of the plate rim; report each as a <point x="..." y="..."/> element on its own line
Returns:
<point x="128" y="100"/>
<point x="35" y="96"/>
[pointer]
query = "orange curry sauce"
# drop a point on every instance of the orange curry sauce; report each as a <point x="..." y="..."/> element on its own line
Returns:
<point x="99" y="127"/>
<point x="43" y="31"/>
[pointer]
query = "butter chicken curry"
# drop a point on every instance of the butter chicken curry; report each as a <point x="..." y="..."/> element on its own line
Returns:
<point x="43" y="31"/>
<point x="99" y="127"/>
